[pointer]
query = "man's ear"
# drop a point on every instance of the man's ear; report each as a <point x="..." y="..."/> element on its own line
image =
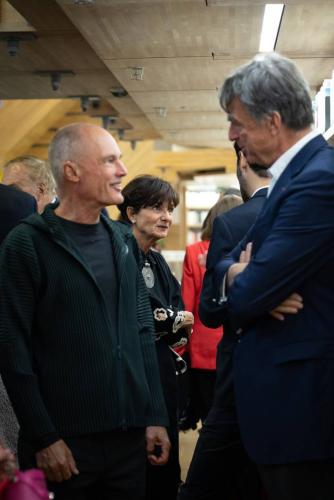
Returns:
<point x="71" y="171"/>
<point x="274" y="123"/>
<point x="41" y="189"/>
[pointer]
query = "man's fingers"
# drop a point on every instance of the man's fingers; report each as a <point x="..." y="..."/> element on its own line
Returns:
<point x="57" y="462"/>
<point x="296" y="296"/>
<point x="277" y="315"/>
<point x="242" y="257"/>
<point x="164" y="453"/>
<point x="73" y="466"/>
<point x="248" y="251"/>
<point x="162" y="458"/>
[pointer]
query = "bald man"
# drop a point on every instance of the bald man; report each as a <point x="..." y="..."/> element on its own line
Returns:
<point x="77" y="352"/>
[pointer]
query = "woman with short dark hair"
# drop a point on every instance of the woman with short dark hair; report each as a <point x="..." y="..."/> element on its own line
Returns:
<point x="148" y="206"/>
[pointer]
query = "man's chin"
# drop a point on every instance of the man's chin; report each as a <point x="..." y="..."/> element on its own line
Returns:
<point x="116" y="199"/>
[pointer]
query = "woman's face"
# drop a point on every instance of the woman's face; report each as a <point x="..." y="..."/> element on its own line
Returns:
<point x="152" y="223"/>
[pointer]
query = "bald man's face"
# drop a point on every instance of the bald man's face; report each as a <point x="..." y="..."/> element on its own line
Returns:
<point x="100" y="168"/>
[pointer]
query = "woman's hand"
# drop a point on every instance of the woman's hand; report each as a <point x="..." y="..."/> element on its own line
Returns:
<point x="184" y="319"/>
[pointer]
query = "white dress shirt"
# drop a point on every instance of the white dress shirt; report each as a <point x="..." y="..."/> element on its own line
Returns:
<point x="283" y="161"/>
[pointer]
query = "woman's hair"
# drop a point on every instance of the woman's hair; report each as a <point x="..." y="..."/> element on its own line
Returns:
<point x="146" y="191"/>
<point x="225" y="203"/>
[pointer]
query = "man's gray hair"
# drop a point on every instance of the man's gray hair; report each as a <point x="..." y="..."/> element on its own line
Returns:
<point x="38" y="170"/>
<point x="270" y="83"/>
<point x="64" y="147"/>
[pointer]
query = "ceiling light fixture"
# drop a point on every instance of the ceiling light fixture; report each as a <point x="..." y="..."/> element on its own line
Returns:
<point x="55" y="76"/>
<point x="86" y="101"/>
<point x="137" y="73"/>
<point x="13" y="40"/>
<point x="118" y="92"/>
<point x="160" y="111"/>
<point x="107" y="120"/>
<point x="271" y="23"/>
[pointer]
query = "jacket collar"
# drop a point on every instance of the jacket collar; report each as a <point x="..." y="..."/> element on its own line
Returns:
<point x="297" y="164"/>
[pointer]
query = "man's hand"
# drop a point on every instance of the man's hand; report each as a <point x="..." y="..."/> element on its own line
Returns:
<point x="157" y="445"/>
<point x="57" y="462"/>
<point x="291" y="305"/>
<point x="239" y="267"/>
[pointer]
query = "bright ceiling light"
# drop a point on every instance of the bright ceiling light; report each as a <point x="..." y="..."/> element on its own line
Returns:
<point x="270" y="26"/>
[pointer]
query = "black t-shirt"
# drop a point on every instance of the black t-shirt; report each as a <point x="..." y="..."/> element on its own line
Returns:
<point x="94" y="243"/>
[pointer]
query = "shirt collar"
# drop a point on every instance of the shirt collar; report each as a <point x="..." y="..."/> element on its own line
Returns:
<point x="258" y="189"/>
<point x="283" y="161"/>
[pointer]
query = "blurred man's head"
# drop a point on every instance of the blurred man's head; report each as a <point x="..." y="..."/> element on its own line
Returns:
<point x="32" y="175"/>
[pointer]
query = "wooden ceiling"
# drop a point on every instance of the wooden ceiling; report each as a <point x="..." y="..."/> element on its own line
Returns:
<point x="185" y="48"/>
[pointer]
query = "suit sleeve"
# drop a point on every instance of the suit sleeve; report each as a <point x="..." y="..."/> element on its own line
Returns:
<point x="211" y="312"/>
<point x="299" y="245"/>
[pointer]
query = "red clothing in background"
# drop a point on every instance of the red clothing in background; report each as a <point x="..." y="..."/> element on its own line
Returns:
<point x="203" y="342"/>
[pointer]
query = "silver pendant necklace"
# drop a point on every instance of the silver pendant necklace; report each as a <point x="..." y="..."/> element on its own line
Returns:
<point x="148" y="275"/>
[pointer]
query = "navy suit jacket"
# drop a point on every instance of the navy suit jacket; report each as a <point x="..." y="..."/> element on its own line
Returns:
<point x="15" y="205"/>
<point x="284" y="370"/>
<point x="228" y="229"/>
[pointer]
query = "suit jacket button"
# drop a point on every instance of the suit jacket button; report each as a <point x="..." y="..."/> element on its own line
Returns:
<point x="239" y="331"/>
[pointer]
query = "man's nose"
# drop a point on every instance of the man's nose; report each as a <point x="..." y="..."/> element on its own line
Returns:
<point x="121" y="170"/>
<point x="233" y="133"/>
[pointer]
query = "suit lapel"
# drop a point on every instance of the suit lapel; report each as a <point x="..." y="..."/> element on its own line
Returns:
<point x="268" y="214"/>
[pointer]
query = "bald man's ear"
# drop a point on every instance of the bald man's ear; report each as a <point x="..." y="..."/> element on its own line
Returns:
<point x="71" y="171"/>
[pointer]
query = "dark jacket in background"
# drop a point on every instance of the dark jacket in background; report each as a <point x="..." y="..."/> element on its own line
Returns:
<point x="220" y="467"/>
<point x="14" y="206"/>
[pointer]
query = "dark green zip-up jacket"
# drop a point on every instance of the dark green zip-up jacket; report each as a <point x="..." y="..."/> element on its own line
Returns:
<point x="66" y="373"/>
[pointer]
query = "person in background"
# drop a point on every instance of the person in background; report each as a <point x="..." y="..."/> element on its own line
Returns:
<point x="32" y="175"/>
<point x="202" y="346"/>
<point x="77" y="351"/>
<point x="148" y="206"/>
<point x="220" y="465"/>
<point x="15" y="205"/>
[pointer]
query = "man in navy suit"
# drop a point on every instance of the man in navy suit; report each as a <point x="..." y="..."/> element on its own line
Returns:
<point x="14" y="206"/>
<point x="277" y="286"/>
<point x="220" y="467"/>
